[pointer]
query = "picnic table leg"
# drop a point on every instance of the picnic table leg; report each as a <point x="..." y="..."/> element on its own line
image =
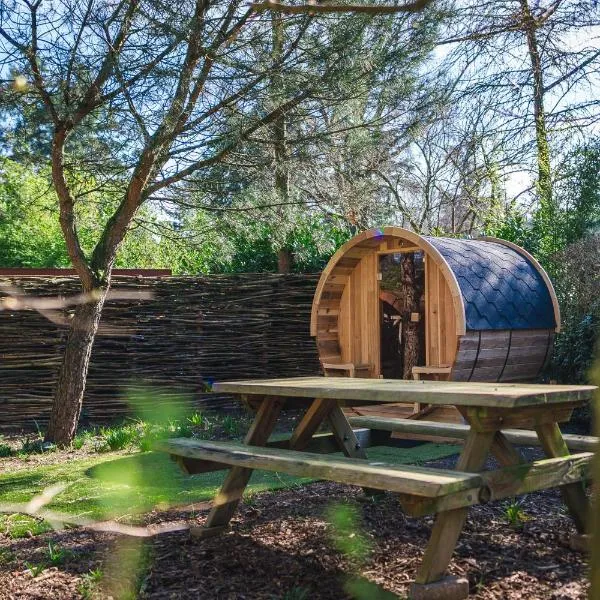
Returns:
<point x="504" y="451"/>
<point x="573" y="494"/>
<point x="446" y="530"/>
<point x="344" y="434"/>
<point x="317" y="412"/>
<point x="235" y="483"/>
<point x="323" y="408"/>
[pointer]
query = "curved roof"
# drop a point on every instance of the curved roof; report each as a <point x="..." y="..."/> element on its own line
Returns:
<point x="501" y="286"/>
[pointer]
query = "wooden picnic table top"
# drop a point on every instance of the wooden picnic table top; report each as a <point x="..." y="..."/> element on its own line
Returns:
<point x="491" y="395"/>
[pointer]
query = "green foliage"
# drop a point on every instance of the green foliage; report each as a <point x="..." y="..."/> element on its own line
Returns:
<point x="6" y="451"/>
<point x="199" y="420"/>
<point x="579" y="193"/>
<point x="512" y="224"/>
<point x="30" y="234"/>
<point x="6" y="556"/>
<point x="297" y="593"/>
<point x="88" y="586"/>
<point x="231" y="426"/>
<point x="56" y="555"/>
<point x="350" y="541"/>
<point x="117" y="438"/>
<point x="363" y="589"/>
<point x="347" y="537"/>
<point x="515" y="515"/>
<point x="35" y="570"/>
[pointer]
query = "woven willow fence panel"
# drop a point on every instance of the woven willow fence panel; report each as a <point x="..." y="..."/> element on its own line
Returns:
<point x="192" y="331"/>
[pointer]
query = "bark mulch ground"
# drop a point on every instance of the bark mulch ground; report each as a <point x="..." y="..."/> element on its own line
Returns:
<point x="281" y="547"/>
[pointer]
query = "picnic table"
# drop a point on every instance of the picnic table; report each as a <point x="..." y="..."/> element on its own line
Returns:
<point x="493" y="413"/>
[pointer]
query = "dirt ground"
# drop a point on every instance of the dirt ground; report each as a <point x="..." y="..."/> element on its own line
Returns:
<point x="280" y="547"/>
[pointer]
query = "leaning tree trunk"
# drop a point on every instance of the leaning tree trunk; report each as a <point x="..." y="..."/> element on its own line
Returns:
<point x="68" y="398"/>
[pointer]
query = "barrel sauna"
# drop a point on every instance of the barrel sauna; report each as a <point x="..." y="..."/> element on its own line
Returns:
<point x="471" y="310"/>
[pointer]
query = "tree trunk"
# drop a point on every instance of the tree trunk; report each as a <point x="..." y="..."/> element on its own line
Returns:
<point x="68" y="398"/>
<point x="547" y="216"/>
<point x="410" y="329"/>
<point x="285" y="260"/>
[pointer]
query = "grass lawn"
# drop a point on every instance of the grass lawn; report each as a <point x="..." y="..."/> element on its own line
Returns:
<point x="116" y="486"/>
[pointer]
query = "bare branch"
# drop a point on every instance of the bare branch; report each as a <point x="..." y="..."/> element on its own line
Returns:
<point x="310" y="8"/>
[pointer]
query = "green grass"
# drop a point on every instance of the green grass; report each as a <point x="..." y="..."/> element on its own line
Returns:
<point x="108" y="486"/>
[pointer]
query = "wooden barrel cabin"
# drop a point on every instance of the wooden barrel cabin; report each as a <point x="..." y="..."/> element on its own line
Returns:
<point x="391" y="303"/>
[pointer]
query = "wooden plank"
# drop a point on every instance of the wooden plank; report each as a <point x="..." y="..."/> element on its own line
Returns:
<point x="433" y="317"/>
<point x="508" y="482"/>
<point x="539" y="475"/>
<point x="504" y="451"/>
<point x="528" y="417"/>
<point x="408" y="479"/>
<point x="426" y="294"/>
<point x="502" y="395"/>
<point x="451" y="346"/>
<point x="460" y="431"/>
<point x="441" y="324"/>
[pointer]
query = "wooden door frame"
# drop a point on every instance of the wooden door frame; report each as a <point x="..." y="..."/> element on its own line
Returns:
<point x="407" y="250"/>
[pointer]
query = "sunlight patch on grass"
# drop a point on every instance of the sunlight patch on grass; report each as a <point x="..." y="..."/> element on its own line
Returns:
<point x="116" y="486"/>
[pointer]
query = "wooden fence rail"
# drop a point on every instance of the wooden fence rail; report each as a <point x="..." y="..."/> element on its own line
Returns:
<point x="192" y="331"/>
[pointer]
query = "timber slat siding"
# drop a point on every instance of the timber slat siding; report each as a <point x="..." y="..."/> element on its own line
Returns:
<point x="193" y="330"/>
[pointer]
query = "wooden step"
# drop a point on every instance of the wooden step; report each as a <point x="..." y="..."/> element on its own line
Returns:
<point x="521" y="437"/>
<point x="406" y="479"/>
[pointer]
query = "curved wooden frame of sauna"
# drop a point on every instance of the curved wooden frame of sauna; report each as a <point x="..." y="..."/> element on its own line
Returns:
<point x="338" y="270"/>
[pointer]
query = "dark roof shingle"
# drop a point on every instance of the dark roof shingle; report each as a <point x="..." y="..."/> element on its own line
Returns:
<point x="500" y="287"/>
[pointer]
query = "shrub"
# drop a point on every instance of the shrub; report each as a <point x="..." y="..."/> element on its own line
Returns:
<point x="6" y="451"/>
<point x="117" y="438"/>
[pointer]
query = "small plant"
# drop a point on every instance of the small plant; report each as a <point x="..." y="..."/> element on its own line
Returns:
<point x="6" y="451"/>
<point x="6" y="556"/>
<point x="89" y="583"/>
<point x="56" y="555"/>
<point x="117" y="438"/>
<point x="515" y="515"/>
<point x="178" y="429"/>
<point x="199" y="420"/>
<point x="36" y="445"/>
<point x="231" y="426"/>
<point x="297" y="593"/>
<point x="35" y="570"/>
<point x="250" y="499"/>
<point x="81" y="439"/>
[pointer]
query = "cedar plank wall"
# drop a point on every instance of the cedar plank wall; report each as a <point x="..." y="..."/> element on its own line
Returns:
<point x="440" y="319"/>
<point x="219" y="327"/>
<point x="503" y="356"/>
<point x="359" y="311"/>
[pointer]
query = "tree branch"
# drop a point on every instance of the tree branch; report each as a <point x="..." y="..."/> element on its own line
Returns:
<point x="310" y="8"/>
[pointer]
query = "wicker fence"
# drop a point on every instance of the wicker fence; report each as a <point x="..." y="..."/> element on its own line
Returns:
<point x="192" y="331"/>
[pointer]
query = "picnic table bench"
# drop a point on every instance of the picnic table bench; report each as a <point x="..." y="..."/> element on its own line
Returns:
<point x="496" y="415"/>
